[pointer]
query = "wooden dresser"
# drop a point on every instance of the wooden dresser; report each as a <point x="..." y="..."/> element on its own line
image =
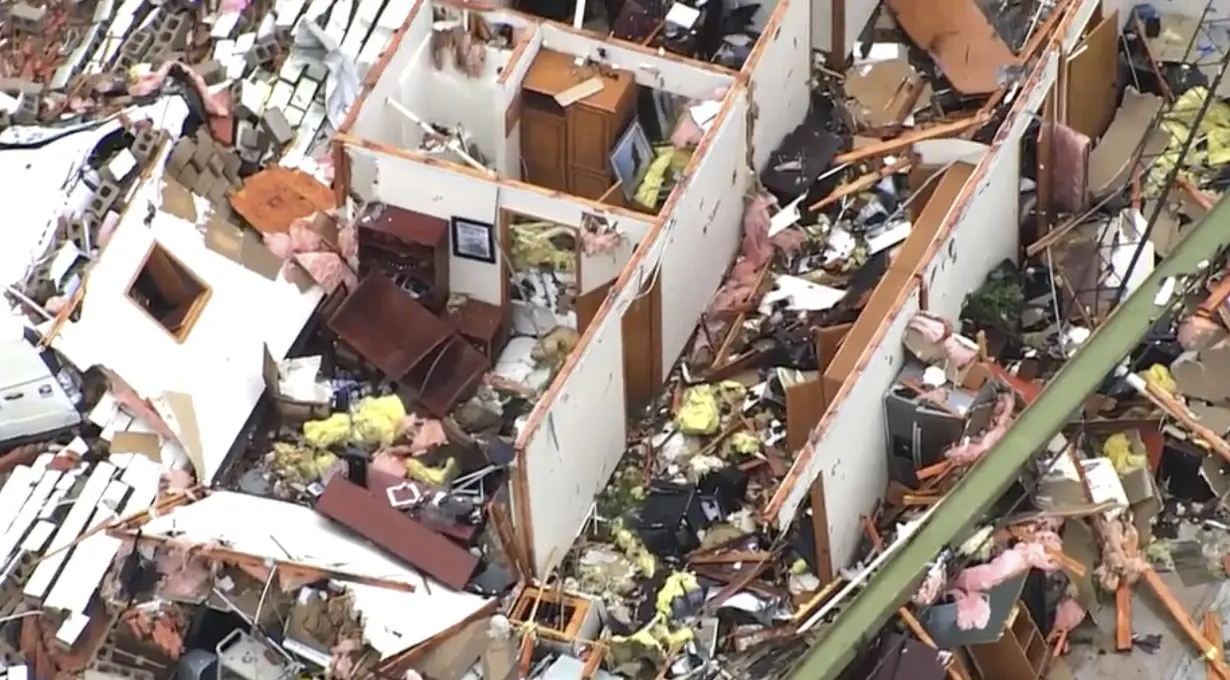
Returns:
<point x="568" y="148"/>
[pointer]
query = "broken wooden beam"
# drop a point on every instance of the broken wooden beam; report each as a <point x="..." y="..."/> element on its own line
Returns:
<point x="1210" y="653"/>
<point x="1212" y="631"/>
<point x="1123" y="618"/>
<point x="909" y="139"/>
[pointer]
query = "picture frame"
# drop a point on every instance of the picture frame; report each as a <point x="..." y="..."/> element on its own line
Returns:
<point x="472" y="239"/>
<point x="631" y="157"/>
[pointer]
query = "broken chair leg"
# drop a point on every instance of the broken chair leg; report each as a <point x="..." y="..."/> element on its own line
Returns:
<point x="1123" y="618"/>
<point x="1210" y="653"/>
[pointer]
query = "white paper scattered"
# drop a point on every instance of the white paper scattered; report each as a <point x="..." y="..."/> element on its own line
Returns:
<point x="682" y="15"/>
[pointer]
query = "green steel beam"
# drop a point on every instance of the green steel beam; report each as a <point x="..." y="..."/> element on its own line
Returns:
<point x="971" y="498"/>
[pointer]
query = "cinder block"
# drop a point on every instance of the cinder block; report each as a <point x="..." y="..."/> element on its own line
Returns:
<point x="204" y="151"/>
<point x="26" y="18"/>
<point x="232" y="162"/>
<point x="104" y="198"/>
<point x="248" y="137"/>
<point x="261" y="53"/>
<point x="277" y="127"/>
<point x="188" y="176"/>
<point x="216" y="165"/>
<point x="211" y="71"/>
<point x="204" y="183"/>
<point x="220" y="190"/>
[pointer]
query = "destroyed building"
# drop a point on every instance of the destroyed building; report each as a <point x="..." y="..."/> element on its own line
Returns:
<point x="452" y="340"/>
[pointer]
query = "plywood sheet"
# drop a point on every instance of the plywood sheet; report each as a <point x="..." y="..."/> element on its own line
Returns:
<point x="960" y="38"/>
<point x="1092" y="70"/>
<point x="1110" y="163"/>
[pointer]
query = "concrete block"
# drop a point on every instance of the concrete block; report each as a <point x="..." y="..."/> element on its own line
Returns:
<point x="104" y="198"/>
<point x="248" y="137"/>
<point x="28" y="109"/>
<point x="146" y="144"/>
<point x="212" y="71"/>
<point x="204" y="151"/>
<point x="27" y="18"/>
<point x="277" y="127"/>
<point x="216" y="164"/>
<point x="220" y="190"/>
<point x="204" y="183"/>
<point x="263" y="52"/>
<point x="232" y="162"/>
<point x="187" y="176"/>
<point x="181" y="155"/>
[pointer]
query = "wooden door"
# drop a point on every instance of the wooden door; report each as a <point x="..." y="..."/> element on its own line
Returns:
<point x="542" y="145"/>
<point x="643" y="347"/>
<point x="641" y="340"/>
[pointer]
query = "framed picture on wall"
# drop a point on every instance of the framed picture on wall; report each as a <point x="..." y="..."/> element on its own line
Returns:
<point x="473" y="240"/>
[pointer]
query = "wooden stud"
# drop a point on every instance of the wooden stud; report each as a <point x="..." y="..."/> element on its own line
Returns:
<point x="863" y="183"/>
<point x="1210" y="653"/>
<point x="820" y="529"/>
<point x="1123" y="618"/>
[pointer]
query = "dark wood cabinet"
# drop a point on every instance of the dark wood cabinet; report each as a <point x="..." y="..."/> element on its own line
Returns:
<point x="430" y="362"/>
<point x="409" y="248"/>
<point x="485" y="326"/>
<point x="567" y="148"/>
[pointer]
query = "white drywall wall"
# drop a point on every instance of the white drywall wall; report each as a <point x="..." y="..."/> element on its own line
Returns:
<point x="474" y="104"/>
<point x="703" y="230"/>
<point x="852" y="452"/>
<point x="693" y="79"/>
<point x="780" y="68"/>
<point x="375" y="120"/>
<point x="509" y="164"/>
<point x="445" y="192"/>
<point x="218" y="363"/>
<point x="983" y="231"/>
<point x="572" y="453"/>
<point x="569" y="453"/>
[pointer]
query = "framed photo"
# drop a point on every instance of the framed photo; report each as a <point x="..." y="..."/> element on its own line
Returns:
<point x="631" y="158"/>
<point x="473" y="240"/>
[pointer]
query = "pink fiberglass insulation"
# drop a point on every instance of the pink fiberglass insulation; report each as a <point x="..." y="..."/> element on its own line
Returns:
<point x="1122" y="561"/>
<point x="1011" y="563"/>
<point x="328" y="270"/>
<point x="604" y="241"/>
<point x="973" y="610"/>
<point x="424" y="434"/>
<point x="1195" y="333"/>
<point x="969" y="451"/>
<point x="389" y="462"/>
<point x="938" y="332"/>
<point x="152" y="82"/>
<point x="348" y="241"/>
<point x="932" y="586"/>
<point x="185" y="574"/>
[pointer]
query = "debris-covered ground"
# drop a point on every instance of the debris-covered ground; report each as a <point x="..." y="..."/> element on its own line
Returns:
<point x="345" y="516"/>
